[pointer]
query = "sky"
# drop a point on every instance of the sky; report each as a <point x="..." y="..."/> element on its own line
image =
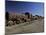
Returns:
<point x="36" y="8"/>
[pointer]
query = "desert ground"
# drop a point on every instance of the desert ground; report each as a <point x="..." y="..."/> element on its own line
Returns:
<point x="24" y="23"/>
<point x="35" y="26"/>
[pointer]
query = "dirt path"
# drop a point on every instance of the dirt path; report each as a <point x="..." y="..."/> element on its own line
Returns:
<point x="35" y="26"/>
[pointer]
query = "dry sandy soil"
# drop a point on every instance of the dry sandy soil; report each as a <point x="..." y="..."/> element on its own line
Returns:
<point x="35" y="26"/>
